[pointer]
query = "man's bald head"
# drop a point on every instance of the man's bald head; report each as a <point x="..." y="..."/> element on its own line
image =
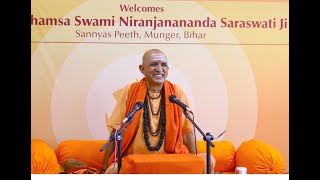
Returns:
<point x="153" y="54"/>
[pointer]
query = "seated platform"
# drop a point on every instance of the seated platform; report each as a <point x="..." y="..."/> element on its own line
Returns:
<point x="162" y="164"/>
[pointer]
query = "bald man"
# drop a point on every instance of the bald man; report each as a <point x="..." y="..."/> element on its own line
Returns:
<point x="160" y="127"/>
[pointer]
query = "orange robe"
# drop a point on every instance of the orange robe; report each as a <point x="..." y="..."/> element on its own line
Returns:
<point x="133" y="141"/>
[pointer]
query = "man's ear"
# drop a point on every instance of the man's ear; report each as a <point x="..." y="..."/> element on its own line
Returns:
<point x="141" y="67"/>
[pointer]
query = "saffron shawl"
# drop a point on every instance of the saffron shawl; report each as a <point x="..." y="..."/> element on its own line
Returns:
<point x="173" y="135"/>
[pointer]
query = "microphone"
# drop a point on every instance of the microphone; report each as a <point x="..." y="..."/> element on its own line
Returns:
<point x="174" y="99"/>
<point x="137" y="107"/>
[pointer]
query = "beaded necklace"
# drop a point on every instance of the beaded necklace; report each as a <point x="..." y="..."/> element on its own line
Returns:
<point x="161" y="126"/>
<point x="151" y="105"/>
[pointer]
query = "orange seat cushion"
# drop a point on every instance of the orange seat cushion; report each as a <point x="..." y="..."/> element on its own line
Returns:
<point x="43" y="158"/>
<point x="162" y="164"/>
<point x="259" y="158"/>
<point x="223" y="152"/>
<point x="87" y="151"/>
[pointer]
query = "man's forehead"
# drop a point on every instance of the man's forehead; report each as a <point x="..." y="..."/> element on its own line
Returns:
<point x="158" y="56"/>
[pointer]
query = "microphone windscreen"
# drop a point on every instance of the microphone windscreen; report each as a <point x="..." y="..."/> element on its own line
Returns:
<point x="140" y="104"/>
<point x="172" y="98"/>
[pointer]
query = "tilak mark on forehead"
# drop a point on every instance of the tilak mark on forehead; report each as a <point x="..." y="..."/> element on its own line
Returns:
<point x="158" y="57"/>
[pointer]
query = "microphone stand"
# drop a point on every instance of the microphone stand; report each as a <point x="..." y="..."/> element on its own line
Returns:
<point x="107" y="144"/>
<point x="118" y="138"/>
<point x="206" y="137"/>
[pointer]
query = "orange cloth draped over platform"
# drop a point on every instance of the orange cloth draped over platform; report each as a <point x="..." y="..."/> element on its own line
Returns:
<point x="162" y="164"/>
<point x="173" y="135"/>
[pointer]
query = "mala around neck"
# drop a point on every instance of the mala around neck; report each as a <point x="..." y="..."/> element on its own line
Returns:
<point x="161" y="125"/>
